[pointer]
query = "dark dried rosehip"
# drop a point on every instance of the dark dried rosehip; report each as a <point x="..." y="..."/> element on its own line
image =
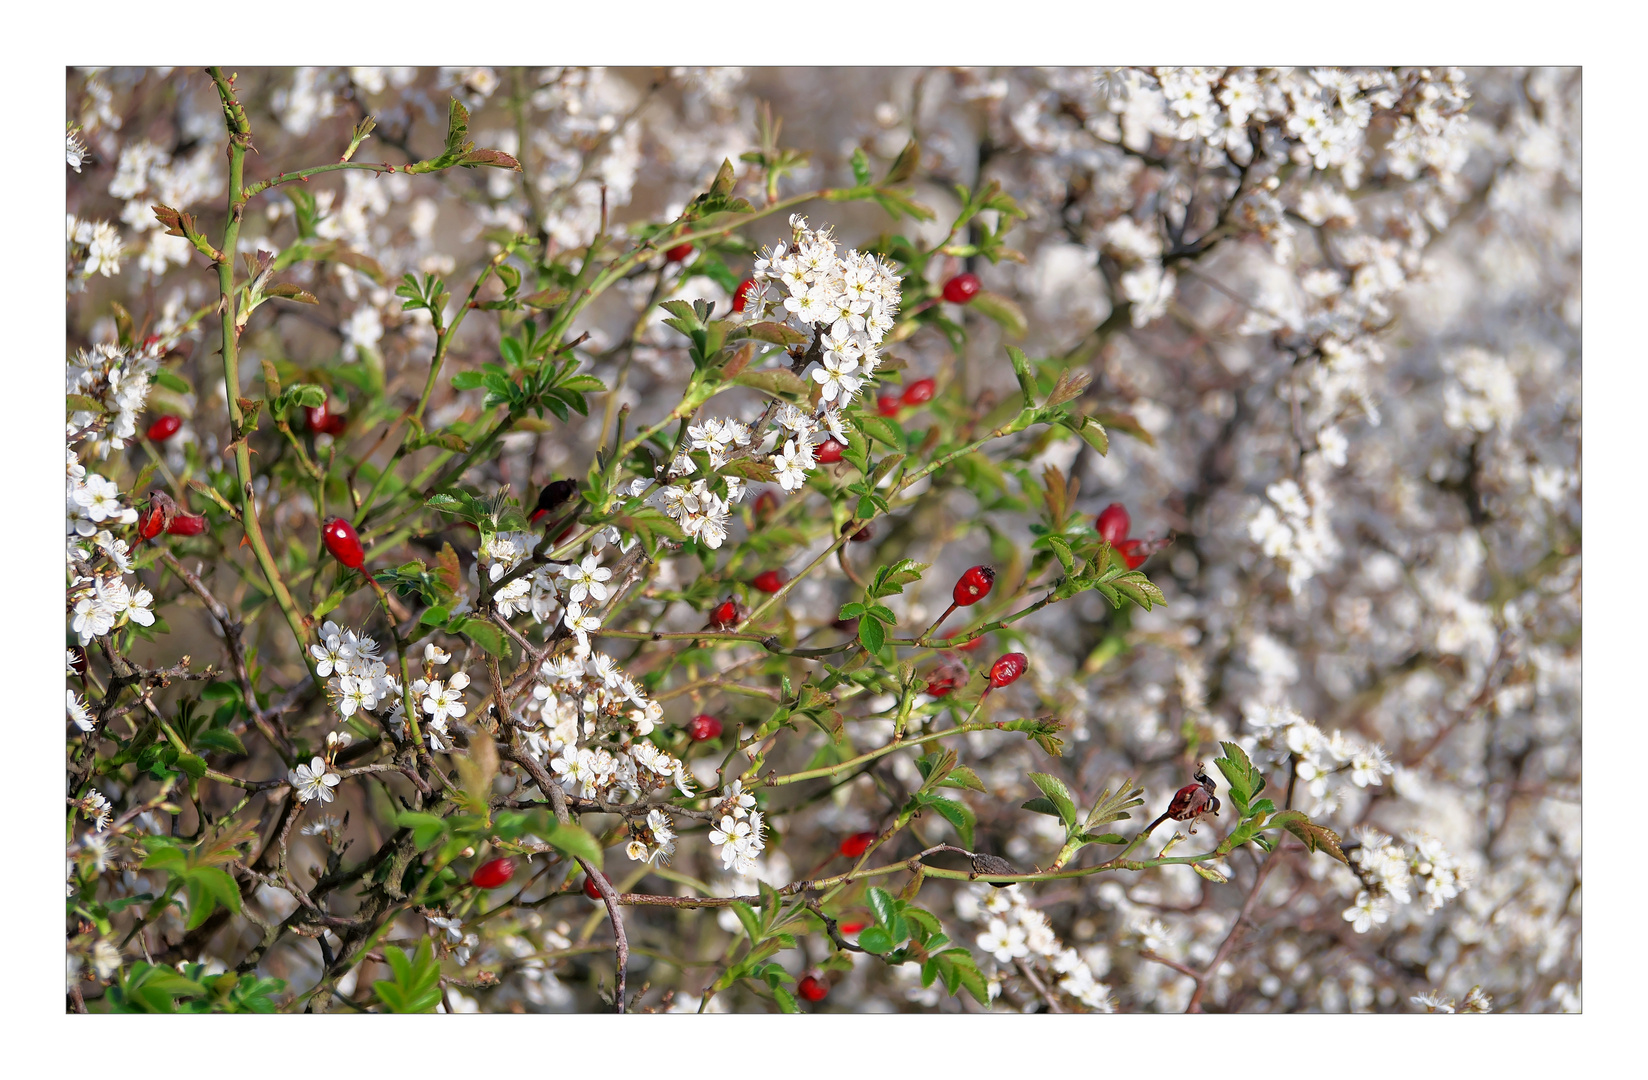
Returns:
<point x="857" y="844"/>
<point x="163" y="428"/>
<point x="703" y="727"/>
<point x="742" y="296"/>
<point x="491" y="875"/>
<point x="974" y="585"/>
<point x="813" y="989"/>
<point x="864" y="535"/>
<point x="828" y="452"/>
<point x="961" y="288"/>
<point x="1114" y="524"/>
<point x="343" y="543"/>
<point x="1008" y="669"/>
<point x="769" y="581"/>
<point x="919" y="392"/>
<point x="552" y="496"/>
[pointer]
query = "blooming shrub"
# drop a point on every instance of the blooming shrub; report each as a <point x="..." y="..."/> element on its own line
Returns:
<point x="603" y="555"/>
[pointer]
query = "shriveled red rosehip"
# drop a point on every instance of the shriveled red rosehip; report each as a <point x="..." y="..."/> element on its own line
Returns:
<point x="151" y="522"/>
<point x="343" y="543"/>
<point x="968" y="646"/>
<point x="703" y="727"/>
<point x="1133" y="553"/>
<point x="961" y="288"/>
<point x="828" y="452"/>
<point x="813" y="989"/>
<point x="163" y="428"/>
<point x="491" y="875"/>
<point x="742" y="296"/>
<point x="1008" y="669"/>
<point x="943" y="679"/>
<point x="888" y="405"/>
<point x="919" y="392"/>
<point x="974" y="585"/>
<point x="1114" y="524"/>
<point x="769" y="581"/>
<point x="323" y="421"/>
<point x="852" y="927"/>
<point x="857" y="844"/>
<point x="187" y="524"/>
<point x="678" y="253"/>
<point x="590" y="889"/>
<point x="725" y="614"/>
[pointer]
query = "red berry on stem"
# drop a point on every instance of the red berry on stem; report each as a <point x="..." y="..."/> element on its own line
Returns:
<point x="974" y="585"/>
<point x="863" y="535"/>
<point x="187" y="524"/>
<point x="343" y="543"/>
<point x="961" y="288"/>
<point x="920" y="392"/>
<point x="1134" y="553"/>
<point x="1114" y="524"/>
<point x="858" y="843"/>
<point x="1008" y="669"/>
<point x="888" y="405"/>
<point x="152" y="522"/>
<point x="678" y="252"/>
<point x="828" y="452"/>
<point x="724" y="614"/>
<point x="813" y="989"/>
<point x="943" y="679"/>
<point x="552" y="496"/>
<point x="970" y="646"/>
<point x="163" y="428"/>
<point x="590" y="889"/>
<point x="852" y="927"/>
<point x="769" y="581"/>
<point x="742" y="296"/>
<point x="703" y="727"/>
<point x="491" y="875"/>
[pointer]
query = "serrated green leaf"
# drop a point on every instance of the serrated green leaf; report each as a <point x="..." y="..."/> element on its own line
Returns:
<point x="1058" y="794"/>
<point x="958" y="814"/>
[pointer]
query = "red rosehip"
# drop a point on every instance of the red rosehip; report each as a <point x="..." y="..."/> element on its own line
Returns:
<point x="742" y="296"/>
<point x="943" y="679"/>
<point x="152" y="522"/>
<point x="1133" y="552"/>
<point x="888" y="405"/>
<point x="766" y="504"/>
<point x="970" y="646"/>
<point x="590" y="889"/>
<point x="678" y="253"/>
<point x="864" y="535"/>
<point x="961" y="288"/>
<point x="828" y="452"/>
<point x="343" y="543"/>
<point x="858" y="843"/>
<point x="323" y="421"/>
<point x="974" y="585"/>
<point x="724" y="614"/>
<point x="813" y="989"/>
<point x="1114" y="524"/>
<point x="703" y="727"/>
<point x="1008" y="669"/>
<point x="852" y="927"/>
<point x="187" y="524"/>
<point x="919" y="392"/>
<point x="491" y="875"/>
<point x="163" y="428"/>
<point x="769" y="581"/>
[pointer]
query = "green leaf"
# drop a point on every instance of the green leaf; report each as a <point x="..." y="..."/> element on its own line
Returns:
<point x="957" y="813"/>
<point x="1113" y="807"/>
<point x="426" y="828"/>
<point x="872" y="635"/>
<point x="777" y="382"/>
<point x="1061" y="548"/>
<point x="1003" y="310"/>
<point x="1059" y="795"/>
<point x="416" y="985"/>
<point x="575" y="842"/>
<point x="748" y="920"/>
<point x="221" y="739"/>
<point x="882" y="430"/>
<point x="882" y="905"/>
<point x="1245" y="781"/>
<point x="963" y="777"/>
<point x="171" y="380"/>
<point x="876" y="940"/>
<point x="1027" y="380"/>
<point x="850" y="611"/>
<point x="1316" y="837"/>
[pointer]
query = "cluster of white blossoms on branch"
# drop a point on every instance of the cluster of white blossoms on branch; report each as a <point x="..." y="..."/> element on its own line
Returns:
<point x="1392" y="872"/>
<point x="116" y="382"/>
<point x="1329" y="767"/>
<point x="100" y="599"/>
<point x="94" y="247"/>
<point x="739" y="832"/>
<point x="1016" y="932"/>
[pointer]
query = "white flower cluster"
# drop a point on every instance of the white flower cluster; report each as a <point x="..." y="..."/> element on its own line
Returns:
<point x="1391" y="872"/>
<point x="740" y="834"/>
<point x="94" y="247"/>
<point x="1293" y="529"/>
<point x="99" y="597"/>
<point x="313" y="781"/>
<point x="1016" y="931"/>
<point x="359" y="680"/>
<point x="147" y="176"/>
<point x="1481" y="394"/>
<point x="76" y="147"/>
<point x="550" y="592"/>
<point x="1434" y="1001"/>
<point x="1327" y="765"/>
<point x="119" y="383"/>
